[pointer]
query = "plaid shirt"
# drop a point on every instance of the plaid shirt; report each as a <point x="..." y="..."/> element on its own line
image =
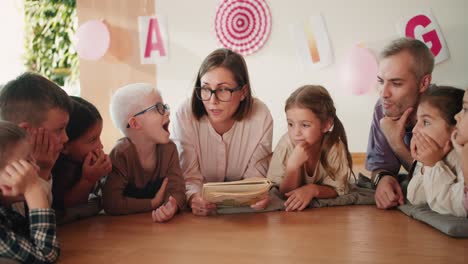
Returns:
<point x="29" y="242"/>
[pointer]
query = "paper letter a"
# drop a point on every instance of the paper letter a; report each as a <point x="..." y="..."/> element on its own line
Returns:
<point x="158" y="44"/>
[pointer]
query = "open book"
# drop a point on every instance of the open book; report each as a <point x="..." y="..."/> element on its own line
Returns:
<point x="236" y="193"/>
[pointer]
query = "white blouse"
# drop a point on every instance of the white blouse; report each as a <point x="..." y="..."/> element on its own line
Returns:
<point x="441" y="186"/>
<point x="205" y="156"/>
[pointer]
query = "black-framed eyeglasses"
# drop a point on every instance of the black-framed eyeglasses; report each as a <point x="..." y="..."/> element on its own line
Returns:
<point x="222" y="94"/>
<point x="160" y="107"/>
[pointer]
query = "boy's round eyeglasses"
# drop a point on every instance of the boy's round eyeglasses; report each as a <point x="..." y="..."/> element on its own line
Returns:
<point x="160" y="107"/>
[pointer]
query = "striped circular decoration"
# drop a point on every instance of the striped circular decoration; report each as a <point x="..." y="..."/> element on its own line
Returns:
<point x="243" y="25"/>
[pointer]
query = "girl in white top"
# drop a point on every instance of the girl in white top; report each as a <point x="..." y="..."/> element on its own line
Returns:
<point x="312" y="160"/>
<point x="222" y="133"/>
<point x="437" y="178"/>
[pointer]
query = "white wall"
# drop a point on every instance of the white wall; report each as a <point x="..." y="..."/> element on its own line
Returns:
<point x="276" y="70"/>
<point x="12" y="39"/>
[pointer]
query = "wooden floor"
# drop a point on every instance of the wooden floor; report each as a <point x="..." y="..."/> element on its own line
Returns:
<point x="350" y="234"/>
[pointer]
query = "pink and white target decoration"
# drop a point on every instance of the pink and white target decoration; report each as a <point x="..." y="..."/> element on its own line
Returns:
<point x="243" y="25"/>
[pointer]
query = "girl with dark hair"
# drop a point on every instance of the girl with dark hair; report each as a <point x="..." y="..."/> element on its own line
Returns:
<point x="312" y="160"/>
<point x="82" y="162"/>
<point x="437" y="177"/>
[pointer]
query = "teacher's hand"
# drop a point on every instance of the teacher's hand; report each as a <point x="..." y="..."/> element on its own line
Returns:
<point x="200" y="206"/>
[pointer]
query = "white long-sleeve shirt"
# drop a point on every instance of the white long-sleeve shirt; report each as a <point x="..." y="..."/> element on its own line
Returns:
<point x="206" y="156"/>
<point x="440" y="186"/>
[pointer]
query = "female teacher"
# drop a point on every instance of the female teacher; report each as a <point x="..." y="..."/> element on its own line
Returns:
<point x="222" y="132"/>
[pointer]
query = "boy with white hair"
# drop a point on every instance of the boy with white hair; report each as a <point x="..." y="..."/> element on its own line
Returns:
<point x="146" y="173"/>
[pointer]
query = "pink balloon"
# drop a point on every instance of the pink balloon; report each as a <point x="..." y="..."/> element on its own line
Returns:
<point x="359" y="71"/>
<point x="92" y="40"/>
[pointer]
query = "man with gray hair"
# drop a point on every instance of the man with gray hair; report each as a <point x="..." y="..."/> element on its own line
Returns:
<point x="405" y="70"/>
<point x="146" y="174"/>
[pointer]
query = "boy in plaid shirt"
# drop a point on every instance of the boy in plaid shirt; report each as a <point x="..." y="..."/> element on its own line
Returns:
<point x="25" y="240"/>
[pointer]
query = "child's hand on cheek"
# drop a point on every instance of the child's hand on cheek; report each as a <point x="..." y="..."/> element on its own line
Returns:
<point x="462" y="150"/>
<point x="96" y="165"/>
<point x="94" y="157"/>
<point x="106" y="162"/>
<point x="299" y="156"/>
<point x="18" y="178"/>
<point x="44" y="149"/>
<point x="427" y="151"/>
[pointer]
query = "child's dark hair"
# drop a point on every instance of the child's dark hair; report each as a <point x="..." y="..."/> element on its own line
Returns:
<point x="83" y="116"/>
<point x="10" y="136"/>
<point x="447" y="99"/>
<point x="29" y="97"/>
<point x="317" y="99"/>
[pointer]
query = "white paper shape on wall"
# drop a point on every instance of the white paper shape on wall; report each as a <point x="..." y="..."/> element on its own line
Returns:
<point x="153" y="39"/>
<point x="424" y="26"/>
<point x="312" y="42"/>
